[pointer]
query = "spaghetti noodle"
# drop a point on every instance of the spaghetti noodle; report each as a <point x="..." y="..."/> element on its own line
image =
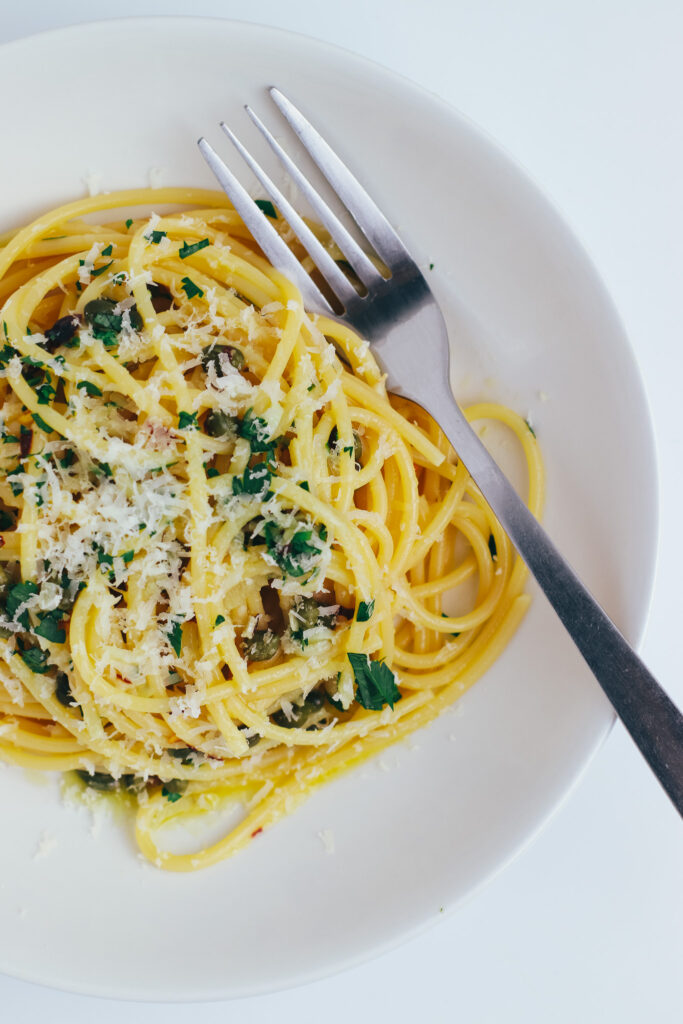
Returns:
<point x="232" y="566"/>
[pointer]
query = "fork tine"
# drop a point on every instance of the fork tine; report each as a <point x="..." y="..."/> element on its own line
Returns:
<point x="277" y="251"/>
<point x="362" y="208"/>
<point x="337" y="280"/>
<point x="363" y="267"/>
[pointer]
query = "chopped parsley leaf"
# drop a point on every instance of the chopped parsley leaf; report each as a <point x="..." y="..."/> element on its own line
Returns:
<point x="16" y="485"/>
<point x="49" y="627"/>
<point x="16" y="596"/>
<point x="101" y="270"/>
<point x="191" y="289"/>
<point x="129" y="222"/>
<point x="531" y="429"/>
<point x="40" y="422"/>
<point x="154" y="237"/>
<point x="375" y="682"/>
<point x="219" y="619"/>
<point x="90" y="389"/>
<point x="186" y="250"/>
<point x="45" y="393"/>
<point x="267" y="207"/>
<point x="103" y="558"/>
<point x="365" y="610"/>
<point x="35" y="659"/>
<point x="175" y="636"/>
<point x="107" y="251"/>
<point x="6" y="353"/>
<point x="255" y="480"/>
<point x="128" y="556"/>
<point x="255" y="430"/>
<point x="186" y="420"/>
<point x="170" y="796"/>
<point x="492" y="547"/>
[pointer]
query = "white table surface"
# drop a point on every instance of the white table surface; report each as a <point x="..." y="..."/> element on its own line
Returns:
<point x="586" y="925"/>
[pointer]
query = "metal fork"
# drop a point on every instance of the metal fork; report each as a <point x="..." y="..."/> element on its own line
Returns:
<point x="393" y="312"/>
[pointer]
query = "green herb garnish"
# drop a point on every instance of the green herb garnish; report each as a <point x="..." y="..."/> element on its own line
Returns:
<point x="175" y="636"/>
<point x="375" y="682"/>
<point x="294" y="549"/>
<point x="90" y="389"/>
<point x="101" y="270"/>
<point x="267" y="207"/>
<point x="49" y="627"/>
<point x="40" y="422"/>
<point x="35" y="659"/>
<point x="365" y="610"/>
<point x="191" y="289"/>
<point x="255" y="430"/>
<point x="254" y="480"/>
<point x="186" y="250"/>
<point x="186" y="420"/>
<point x="18" y="595"/>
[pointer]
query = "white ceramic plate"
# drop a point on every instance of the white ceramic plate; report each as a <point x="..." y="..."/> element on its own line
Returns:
<point x="530" y="324"/>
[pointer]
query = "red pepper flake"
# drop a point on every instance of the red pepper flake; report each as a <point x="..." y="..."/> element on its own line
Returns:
<point x="256" y="831"/>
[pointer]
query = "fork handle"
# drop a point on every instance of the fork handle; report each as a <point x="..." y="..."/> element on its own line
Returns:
<point x="651" y="717"/>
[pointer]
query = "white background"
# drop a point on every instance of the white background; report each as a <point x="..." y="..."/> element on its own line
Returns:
<point x="587" y="925"/>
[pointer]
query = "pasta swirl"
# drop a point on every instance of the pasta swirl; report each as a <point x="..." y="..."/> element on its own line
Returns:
<point x="232" y="565"/>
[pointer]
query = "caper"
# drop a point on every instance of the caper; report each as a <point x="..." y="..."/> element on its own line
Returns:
<point x="212" y="355"/>
<point x="5" y="580"/>
<point x="174" y="786"/>
<point x="251" y="740"/>
<point x="133" y="783"/>
<point x="236" y="357"/>
<point x="300" y="713"/>
<point x="184" y="754"/>
<point x="304" y="614"/>
<point x="253" y="532"/>
<point x="68" y="598"/>
<point x="262" y="646"/>
<point x="99" y="307"/>
<point x="63" y="690"/>
<point x="219" y="424"/>
<point x="61" y="331"/>
<point x="98" y="780"/>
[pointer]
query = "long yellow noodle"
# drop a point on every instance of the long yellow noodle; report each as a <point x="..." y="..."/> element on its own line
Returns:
<point x="141" y="564"/>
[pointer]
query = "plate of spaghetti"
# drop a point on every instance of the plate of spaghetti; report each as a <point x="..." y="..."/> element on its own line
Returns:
<point x="245" y="591"/>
